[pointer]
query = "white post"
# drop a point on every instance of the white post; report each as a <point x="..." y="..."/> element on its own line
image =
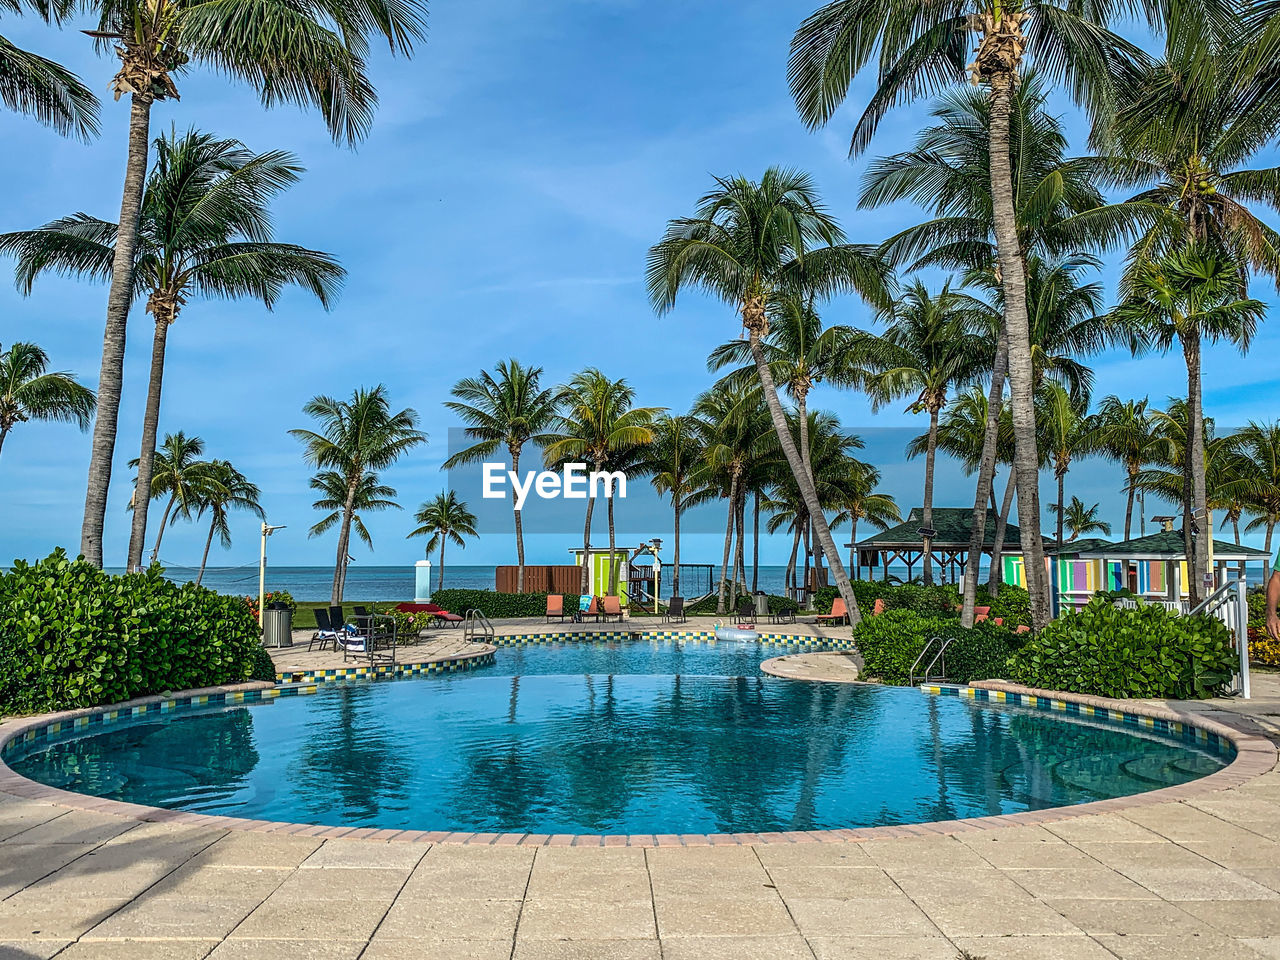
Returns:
<point x="1242" y="635"/>
<point x="262" y="574"/>
<point x="422" y="581"/>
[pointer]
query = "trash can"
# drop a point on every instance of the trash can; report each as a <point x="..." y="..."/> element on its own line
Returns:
<point x="762" y="604"/>
<point x="277" y="627"/>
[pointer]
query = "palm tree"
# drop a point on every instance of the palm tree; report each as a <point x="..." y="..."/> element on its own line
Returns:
<point x="220" y="489"/>
<point x="924" y="49"/>
<point x="751" y="244"/>
<point x="1080" y="519"/>
<point x="346" y="506"/>
<point x="509" y="410"/>
<point x="1259" y="445"/>
<point x="28" y="391"/>
<point x="673" y="459"/>
<point x="309" y="54"/>
<point x="1122" y="433"/>
<point x="928" y="349"/>
<point x="179" y="473"/>
<point x="442" y="519"/>
<point x="356" y="438"/>
<point x="1066" y="432"/>
<point x="860" y="501"/>
<point x="1186" y="297"/>
<point x="204" y="230"/>
<point x="47" y="91"/>
<point x="597" y="420"/>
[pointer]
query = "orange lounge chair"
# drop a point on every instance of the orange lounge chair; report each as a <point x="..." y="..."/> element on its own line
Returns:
<point x="839" y="612"/>
<point x="981" y="613"/>
<point x="878" y="608"/>
<point x="612" y="608"/>
<point x="555" y="607"/>
<point x="1023" y="628"/>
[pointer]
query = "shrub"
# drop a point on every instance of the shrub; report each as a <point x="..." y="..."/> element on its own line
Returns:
<point x="74" y="636"/>
<point x="494" y="605"/>
<point x="262" y="666"/>
<point x="1110" y="652"/>
<point x="273" y="596"/>
<point x="891" y="642"/>
<point x="1012" y="604"/>
<point x="940" y="599"/>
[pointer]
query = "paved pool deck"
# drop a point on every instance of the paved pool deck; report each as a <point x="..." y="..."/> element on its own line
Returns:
<point x="1188" y="880"/>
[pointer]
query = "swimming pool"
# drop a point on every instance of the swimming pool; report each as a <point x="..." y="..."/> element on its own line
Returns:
<point x="629" y="736"/>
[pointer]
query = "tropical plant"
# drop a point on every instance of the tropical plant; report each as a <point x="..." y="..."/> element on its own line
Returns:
<point x="179" y="473"/>
<point x="1066" y="431"/>
<point x="508" y="410"/>
<point x="923" y="50"/>
<point x="346" y="508"/>
<point x="1259" y="446"/>
<point x="28" y="391"/>
<point x="1122" y="433"/>
<point x="445" y="518"/>
<point x="860" y="501"/>
<point x="597" y="421"/>
<point x="310" y="54"/>
<point x="928" y="349"/>
<point x="751" y="244"/>
<point x="356" y="438"/>
<point x="1191" y="295"/>
<point x="221" y="488"/>
<point x="673" y="459"/>
<point x="47" y="91"/>
<point x="1081" y="519"/>
<point x="204" y="230"/>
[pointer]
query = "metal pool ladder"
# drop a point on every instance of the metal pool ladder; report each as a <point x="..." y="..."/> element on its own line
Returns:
<point x="937" y="645"/>
<point x="476" y="625"/>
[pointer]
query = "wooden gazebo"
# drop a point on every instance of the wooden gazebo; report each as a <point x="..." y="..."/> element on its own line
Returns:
<point x="952" y="527"/>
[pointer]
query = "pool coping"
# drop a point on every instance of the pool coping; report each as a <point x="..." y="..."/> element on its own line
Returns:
<point x="1255" y="755"/>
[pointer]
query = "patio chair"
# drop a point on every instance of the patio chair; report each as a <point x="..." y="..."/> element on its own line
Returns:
<point x="675" y="611"/>
<point x="878" y="607"/>
<point x="745" y="611"/>
<point x="785" y="615"/>
<point x="612" y="608"/>
<point x="839" y="613"/>
<point x="325" y="634"/>
<point x="981" y="613"/>
<point x="444" y="616"/>
<point x="588" y="606"/>
<point x="555" y="607"/>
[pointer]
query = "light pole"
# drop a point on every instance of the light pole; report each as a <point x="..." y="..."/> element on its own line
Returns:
<point x="267" y="531"/>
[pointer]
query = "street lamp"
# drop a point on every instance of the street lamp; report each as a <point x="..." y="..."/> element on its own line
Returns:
<point x="267" y="530"/>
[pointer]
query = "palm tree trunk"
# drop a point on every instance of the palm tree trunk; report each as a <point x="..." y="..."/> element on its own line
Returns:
<point x="930" y="457"/>
<point x="808" y="556"/>
<point x="1128" y="507"/>
<point x="739" y="562"/>
<point x="1014" y="286"/>
<point x="1267" y="544"/>
<point x="442" y="539"/>
<point x="855" y="562"/>
<point x="995" y="573"/>
<point x="1062" y="476"/>
<point x="1235" y="526"/>
<point x="344" y="541"/>
<point x="986" y="484"/>
<point x="164" y="523"/>
<point x="4" y="432"/>
<point x="584" y="582"/>
<point x="613" y="570"/>
<point x="515" y="468"/>
<point x="1199" y="506"/>
<point x="791" y="563"/>
<point x="728" y="542"/>
<point x="808" y="490"/>
<point x="147" y="455"/>
<point x="755" y="544"/>
<point x="675" y="574"/>
<point x="111" y="374"/>
<point x="208" y="542"/>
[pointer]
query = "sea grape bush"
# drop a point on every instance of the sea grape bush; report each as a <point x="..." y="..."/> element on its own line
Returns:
<point x="74" y="636"/>
<point x="891" y="642"/>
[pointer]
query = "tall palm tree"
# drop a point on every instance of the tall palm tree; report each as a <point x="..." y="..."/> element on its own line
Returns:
<point x="928" y="349"/>
<point x="673" y="461"/>
<point x="751" y="244"/>
<point x="924" y="49"/>
<point x="204" y="230"/>
<point x="42" y="89"/>
<point x="310" y="54"/>
<point x="1186" y="297"/>
<point x="861" y="501"/>
<point x="597" y="420"/>
<point x="1080" y="519"/>
<point x="1259" y="445"/>
<point x="347" y="506"/>
<point x="1066" y="431"/>
<point x="1122" y="433"/>
<point x="442" y="519"/>
<point x="508" y="410"/>
<point x="179" y="473"/>
<point x="222" y="488"/>
<point x="28" y="391"/>
<point x="356" y="438"/>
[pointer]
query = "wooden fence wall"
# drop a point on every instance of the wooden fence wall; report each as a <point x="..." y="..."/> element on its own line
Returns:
<point x="542" y="578"/>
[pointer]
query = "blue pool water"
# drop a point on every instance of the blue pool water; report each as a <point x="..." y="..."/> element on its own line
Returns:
<point x="626" y="737"/>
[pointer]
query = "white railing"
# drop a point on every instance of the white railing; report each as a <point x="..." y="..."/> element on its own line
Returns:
<point x="1230" y="604"/>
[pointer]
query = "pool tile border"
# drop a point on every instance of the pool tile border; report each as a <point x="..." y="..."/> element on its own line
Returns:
<point x="1255" y="755"/>
<point x="384" y="671"/>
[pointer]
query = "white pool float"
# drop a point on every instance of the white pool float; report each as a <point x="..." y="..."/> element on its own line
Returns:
<point x="735" y="633"/>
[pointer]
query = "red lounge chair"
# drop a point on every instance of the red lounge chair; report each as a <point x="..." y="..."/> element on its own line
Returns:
<point x="981" y="613"/>
<point x="555" y="607"/>
<point x="612" y="608"/>
<point x="878" y="608"/>
<point x="839" y="612"/>
<point x="998" y="621"/>
<point x="437" y="612"/>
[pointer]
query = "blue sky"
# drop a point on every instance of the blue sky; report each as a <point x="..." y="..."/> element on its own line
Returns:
<point x="519" y="168"/>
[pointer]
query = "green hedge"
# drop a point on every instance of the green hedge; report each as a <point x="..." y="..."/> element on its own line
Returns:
<point x="73" y="636"/>
<point x="1012" y="604"/>
<point x="891" y="642"/>
<point x="939" y="600"/>
<point x="493" y="604"/>
<point x="1147" y="652"/>
<point x="707" y="606"/>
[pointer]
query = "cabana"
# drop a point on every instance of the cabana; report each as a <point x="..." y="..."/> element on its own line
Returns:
<point x="950" y="545"/>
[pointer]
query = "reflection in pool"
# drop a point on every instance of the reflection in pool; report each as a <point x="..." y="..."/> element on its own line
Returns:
<point x="625" y="737"/>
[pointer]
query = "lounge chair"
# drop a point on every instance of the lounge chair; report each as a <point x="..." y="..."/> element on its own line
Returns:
<point x="588" y="606"/>
<point x="1022" y="628"/>
<point x="839" y="613"/>
<point x="675" y="611"/>
<point x="612" y="608"/>
<point x="555" y="607"/>
<point x="877" y="608"/>
<point x="745" y="611"/>
<point x="981" y="613"/>
<point x="786" y="615"/>
<point x="325" y="634"/>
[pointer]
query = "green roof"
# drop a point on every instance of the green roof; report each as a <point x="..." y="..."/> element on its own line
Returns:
<point x="1169" y="544"/>
<point x="1084" y="545"/>
<point x="954" y="525"/>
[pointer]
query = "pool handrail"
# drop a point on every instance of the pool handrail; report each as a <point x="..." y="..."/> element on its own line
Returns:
<point x="943" y="643"/>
